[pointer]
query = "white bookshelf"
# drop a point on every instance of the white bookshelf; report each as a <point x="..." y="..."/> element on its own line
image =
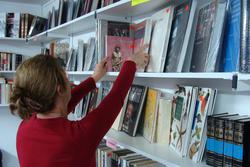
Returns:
<point x="38" y="2"/>
<point x="4" y="105"/>
<point x="157" y="152"/>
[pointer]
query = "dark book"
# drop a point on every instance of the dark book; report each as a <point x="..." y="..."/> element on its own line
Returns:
<point x="231" y="45"/>
<point x="60" y="11"/>
<point x="219" y="124"/>
<point x="241" y="147"/>
<point x="202" y="37"/>
<point x="245" y="37"/>
<point x="178" y="30"/>
<point x="77" y="8"/>
<point x="210" y="138"/>
<point x="93" y="100"/>
<point x="38" y="25"/>
<point x="228" y="140"/>
<point x="133" y="110"/>
<point x="10" y="24"/>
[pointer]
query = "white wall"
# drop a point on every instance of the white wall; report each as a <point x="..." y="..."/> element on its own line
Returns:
<point x="8" y="129"/>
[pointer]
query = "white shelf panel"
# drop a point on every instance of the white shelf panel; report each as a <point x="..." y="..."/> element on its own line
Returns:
<point x="84" y="23"/>
<point x="124" y="9"/>
<point x="157" y="152"/>
<point x="243" y="82"/>
<point x="38" y="2"/>
<point x="4" y="105"/>
<point x="221" y="81"/>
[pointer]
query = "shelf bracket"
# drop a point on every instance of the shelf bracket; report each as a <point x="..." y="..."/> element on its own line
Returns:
<point x="234" y="81"/>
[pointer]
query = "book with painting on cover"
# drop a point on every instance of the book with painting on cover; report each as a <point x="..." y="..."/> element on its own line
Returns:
<point x="184" y="102"/>
<point x="201" y="111"/>
<point x="117" y="50"/>
<point x="161" y="26"/>
<point x="89" y="56"/>
<point x="150" y="114"/>
<point x="133" y="110"/>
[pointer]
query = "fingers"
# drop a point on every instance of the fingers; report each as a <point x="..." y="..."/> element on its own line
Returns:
<point x="145" y="46"/>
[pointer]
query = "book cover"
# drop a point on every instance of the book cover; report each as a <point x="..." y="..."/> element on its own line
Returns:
<point x="117" y="51"/>
<point x="38" y="25"/>
<point x="89" y="56"/>
<point x="164" y="119"/>
<point x="10" y="25"/>
<point x="245" y="37"/>
<point x="80" y="55"/>
<point x="133" y="109"/>
<point x="161" y="22"/>
<point x="214" y="56"/>
<point x="150" y="114"/>
<point x="202" y="37"/>
<point x="231" y="45"/>
<point x="199" y="121"/>
<point x="177" y="35"/>
<point x="182" y="113"/>
<point x="93" y="100"/>
<point x="121" y="29"/>
<point x="2" y="24"/>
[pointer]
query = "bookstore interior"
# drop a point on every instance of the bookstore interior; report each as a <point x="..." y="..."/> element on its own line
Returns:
<point x="189" y="107"/>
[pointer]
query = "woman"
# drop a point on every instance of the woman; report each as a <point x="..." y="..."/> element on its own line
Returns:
<point x="42" y="98"/>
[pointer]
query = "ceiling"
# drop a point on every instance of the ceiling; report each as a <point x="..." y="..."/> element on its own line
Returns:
<point x="38" y="2"/>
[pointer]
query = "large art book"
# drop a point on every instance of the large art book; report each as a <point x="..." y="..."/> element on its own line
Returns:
<point x="202" y="37"/>
<point x="161" y="26"/>
<point x="177" y="36"/>
<point x="199" y="121"/>
<point x="133" y="109"/>
<point x="231" y="44"/>
<point x="184" y="106"/>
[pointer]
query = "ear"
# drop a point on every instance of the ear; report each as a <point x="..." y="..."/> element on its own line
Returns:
<point x="60" y="90"/>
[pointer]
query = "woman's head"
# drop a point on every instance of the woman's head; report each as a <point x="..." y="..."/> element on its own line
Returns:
<point x="38" y="84"/>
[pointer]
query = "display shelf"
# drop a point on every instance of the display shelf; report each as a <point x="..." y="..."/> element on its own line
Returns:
<point x="4" y="105"/>
<point x="82" y="24"/>
<point x="7" y="74"/>
<point x="221" y="81"/>
<point x="243" y="83"/>
<point x="39" y="2"/>
<point x="157" y="152"/>
<point x="16" y="41"/>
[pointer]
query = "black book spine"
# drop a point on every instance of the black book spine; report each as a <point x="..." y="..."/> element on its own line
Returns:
<point x="218" y="142"/>
<point x="210" y="141"/>
<point x="244" y="37"/>
<point x="238" y="145"/>
<point x="228" y="143"/>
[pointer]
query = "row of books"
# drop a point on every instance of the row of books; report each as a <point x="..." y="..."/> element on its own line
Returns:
<point x="71" y="9"/>
<point x="17" y="25"/>
<point x="107" y="157"/>
<point x="5" y="90"/>
<point x="228" y="140"/>
<point x="177" y="119"/>
<point x="192" y="36"/>
<point x="10" y="61"/>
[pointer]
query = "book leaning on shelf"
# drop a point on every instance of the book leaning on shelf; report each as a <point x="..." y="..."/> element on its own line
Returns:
<point x="5" y="90"/>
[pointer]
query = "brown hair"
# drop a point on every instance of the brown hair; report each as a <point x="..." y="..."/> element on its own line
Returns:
<point x="35" y="86"/>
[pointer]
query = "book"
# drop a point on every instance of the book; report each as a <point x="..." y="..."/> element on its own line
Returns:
<point x="38" y="25"/>
<point x="161" y="25"/>
<point x="210" y="138"/>
<point x="241" y="142"/>
<point x="92" y="100"/>
<point x="2" y="24"/>
<point x="60" y="11"/>
<point x="184" y="106"/>
<point x="89" y="56"/>
<point x="231" y="44"/>
<point x="199" y="121"/>
<point x="244" y="37"/>
<point x="133" y="110"/>
<point x="178" y="29"/>
<point x="213" y="60"/>
<point x="117" y="51"/>
<point x="164" y="119"/>
<point x="203" y="34"/>
<point x="70" y="10"/>
<point x="150" y="114"/>
<point x="81" y="55"/>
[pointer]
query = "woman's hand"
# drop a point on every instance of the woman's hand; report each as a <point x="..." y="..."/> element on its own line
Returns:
<point x="100" y="70"/>
<point x="140" y="58"/>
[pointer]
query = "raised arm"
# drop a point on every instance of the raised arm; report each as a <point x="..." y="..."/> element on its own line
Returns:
<point x="96" y="124"/>
<point x="80" y="91"/>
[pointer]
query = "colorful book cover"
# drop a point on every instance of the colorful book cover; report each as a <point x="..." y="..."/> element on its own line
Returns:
<point x="133" y="109"/>
<point x="150" y="114"/>
<point x="199" y="121"/>
<point x="182" y="100"/>
<point x="117" y="50"/>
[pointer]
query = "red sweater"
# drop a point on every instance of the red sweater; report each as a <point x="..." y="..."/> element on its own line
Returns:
<point x="59" y="142"/>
